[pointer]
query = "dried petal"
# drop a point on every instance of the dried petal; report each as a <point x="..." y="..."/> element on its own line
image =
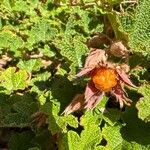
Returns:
<point x="94" y="100"/>
<point x="124" y="77"/>
<point x="76" y="104"/>
<point x="84" y="71"/>
<point x="95" y="57"/>
<point x="121" y="96"/>
<point x="90" y="90"/>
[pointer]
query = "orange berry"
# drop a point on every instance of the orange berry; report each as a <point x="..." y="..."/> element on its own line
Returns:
<point x="104" y="79"/>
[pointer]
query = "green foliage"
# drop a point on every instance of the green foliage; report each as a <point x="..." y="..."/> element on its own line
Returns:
<point x="12" y="80"/>
<point x="24" y="139"/>
<point x="10" y="41"/>
<point x="73" y="49"/>
<point x="89" y="138"/>
<point x="30" y="65"/>
<point x="16" y="110"/>
<point x="42" y="31"/>
<point x="43" y="45"/>
<point x="139" y="37"/>
<point x="143" y="105"/>
<point x="113" y="136"/>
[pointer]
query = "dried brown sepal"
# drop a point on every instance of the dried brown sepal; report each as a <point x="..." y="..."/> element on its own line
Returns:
<point x="39" y="118"/>
<point x="124" y="77"/>
<point x="76" y="104"/>
<point x="98" y="40"/>
<point x="121" y="97"/>
<point x="94" y="100"/>
<point x="118" y="49"/>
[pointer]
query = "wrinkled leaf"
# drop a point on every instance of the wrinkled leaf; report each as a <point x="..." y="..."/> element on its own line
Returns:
<point x="14" y="80"/>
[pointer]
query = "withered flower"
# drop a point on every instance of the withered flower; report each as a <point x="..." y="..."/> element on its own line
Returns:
<point x="118" y="49"/>
<point x="104" y="77"/>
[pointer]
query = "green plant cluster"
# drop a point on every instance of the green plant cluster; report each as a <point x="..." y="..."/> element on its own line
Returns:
<point x="43" y="44"/>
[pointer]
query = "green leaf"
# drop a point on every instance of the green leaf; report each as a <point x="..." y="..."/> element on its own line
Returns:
<point x="120" y="34"/>
<point x="30" y="65"/>
<point x="132" y="134"/>
<point x="21" y="6"/>
<point x="5" y="107"/>
<point x="14" y="80"/>
<point x="89" y="138"/>
<point x="116" y="140"/>
<point x="143" y="105"/>
<point x="39" y="83"/>
<point x="113" y="137"/>
<point x="42" y="31"/>
<point x="140" y="36"/>
<point x="74" y="50"/>
<point x="21" y="141"/>
<point x="11" y="41"/>
<point x="15" y="120"/>
<point x="48" y="51"/>
<point x="13" y="8"/>
<point x="135" y="131"/>
<point x="127" y="22"/>
<point x="19" y="111"/>
<point x="44" y="140"/>
<point x="139" y="74"/>
<point x="40" y="77"/>
<point x="83" y="22"/>
<point x="42" y="99"/>
<point x="62" y="90"/>
<point x="58" y="123"/>
<point x="78" y="18"/>
<point x="112" y="116"/>
<point x="90" y="118"/>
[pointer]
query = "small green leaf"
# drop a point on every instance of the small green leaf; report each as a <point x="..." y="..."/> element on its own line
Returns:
<point x="42" y="31"/>
<point x="42" y="99"/>
<point x="74" y="50"/>
<point x="135" y="131"/>
<point x="14" y="80"/>
<point x="39" y="82"/>
<point x="58" y="123"/>
<point x="47" y="51"/>
<point x="30" y="65"/>
<point x="143" y="105"/>
<point x="112" y="116"/>
<point x="90" y="118"/>
<point x="21" y="6"/>
<point x="11" y="41"/>
<point x="88" y="140"/>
